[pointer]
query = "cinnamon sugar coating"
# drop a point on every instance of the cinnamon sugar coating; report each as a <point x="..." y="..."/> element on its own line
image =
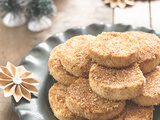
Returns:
<point x="151" y="90"/>
<point x="56" y="69"/>
<point x="116" y="84"/>
<point x="114" y="49"/>
<point x="75" y="55"/>
<point x="149" y="53"/>
<point x="115" y="63"/>
<point x="57" y="102"/>
<point x="82" y="101"/>
<point x="135" y="112"/>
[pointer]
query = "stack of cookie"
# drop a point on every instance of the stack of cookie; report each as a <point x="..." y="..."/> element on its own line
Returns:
<point x="113" y="76"/>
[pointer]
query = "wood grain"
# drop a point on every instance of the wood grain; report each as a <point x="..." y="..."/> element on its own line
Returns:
<point x="15" y="43"/>
<point x="155" y="14"/>
<point x="6" y="111"/>
<point x="80" y="12"/>
<point x="137" y="15"/>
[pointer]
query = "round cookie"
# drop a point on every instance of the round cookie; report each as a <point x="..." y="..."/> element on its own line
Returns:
<point x="75" y="55"/>
<point x="116" y="84"/>
<point x="114" y="49"/>
<point x="151" y="90"/>
<point x="135" y="112"/>
<point x="82" y="101"/>
<point x="56" y="69"/>
<point x="57" y="94"/>
<point x="149" y="53"/>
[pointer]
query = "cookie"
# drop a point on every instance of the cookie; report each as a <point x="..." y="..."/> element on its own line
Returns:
<point x="56" y="69"/>
<point x="116" y="84"/>
<point x="114" y="49"/>
<point x="57" y="94"/>
<point x="149" y="53"/>
<point x="135" y="112"/>
<point x="82" y="101"/>
<point x="75" y="55"/>
<point x="151" y="90"/>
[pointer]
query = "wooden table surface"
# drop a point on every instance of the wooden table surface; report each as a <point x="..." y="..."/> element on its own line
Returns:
<point x="15" y="43"/>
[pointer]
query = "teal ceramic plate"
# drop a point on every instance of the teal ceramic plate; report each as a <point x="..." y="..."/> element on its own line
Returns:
<point x="37" y="60"/>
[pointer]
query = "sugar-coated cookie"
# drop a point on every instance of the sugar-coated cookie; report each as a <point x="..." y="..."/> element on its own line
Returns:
<point x="116" y="84"/>
<point x="149" y="53"/>
<point x="75" y="55"/>
<point x="114" y="49"/>
<point x="151" y="90"/>
<point x="56" y="69"/>
<point x="82" y="101"/>
<point x="135" y="112"/>
<point x="57" y="94"/>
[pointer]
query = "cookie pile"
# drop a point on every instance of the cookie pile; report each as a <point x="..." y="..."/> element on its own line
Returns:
<point x="113" y="76"/>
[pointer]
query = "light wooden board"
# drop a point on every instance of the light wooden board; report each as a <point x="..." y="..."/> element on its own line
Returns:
<point x="137" y="15"/>
<point x="155" y="14"/>
<point x="15" y="43"/>
<point x="79" y="13"/>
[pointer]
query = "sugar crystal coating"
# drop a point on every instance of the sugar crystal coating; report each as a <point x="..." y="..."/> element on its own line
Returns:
<point x="75" y="55"/>
<point x="57" y="102"/>
<point x="114" y="49"/>
<point x="151" y="90"/>
<point x="149" y="52"/>
<point x="111" y="61"/>
<point x="116" y="84"/>
<point x="82" y="101"/>
<point x="57" y="70"/>
<point x="134" y="112"/>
